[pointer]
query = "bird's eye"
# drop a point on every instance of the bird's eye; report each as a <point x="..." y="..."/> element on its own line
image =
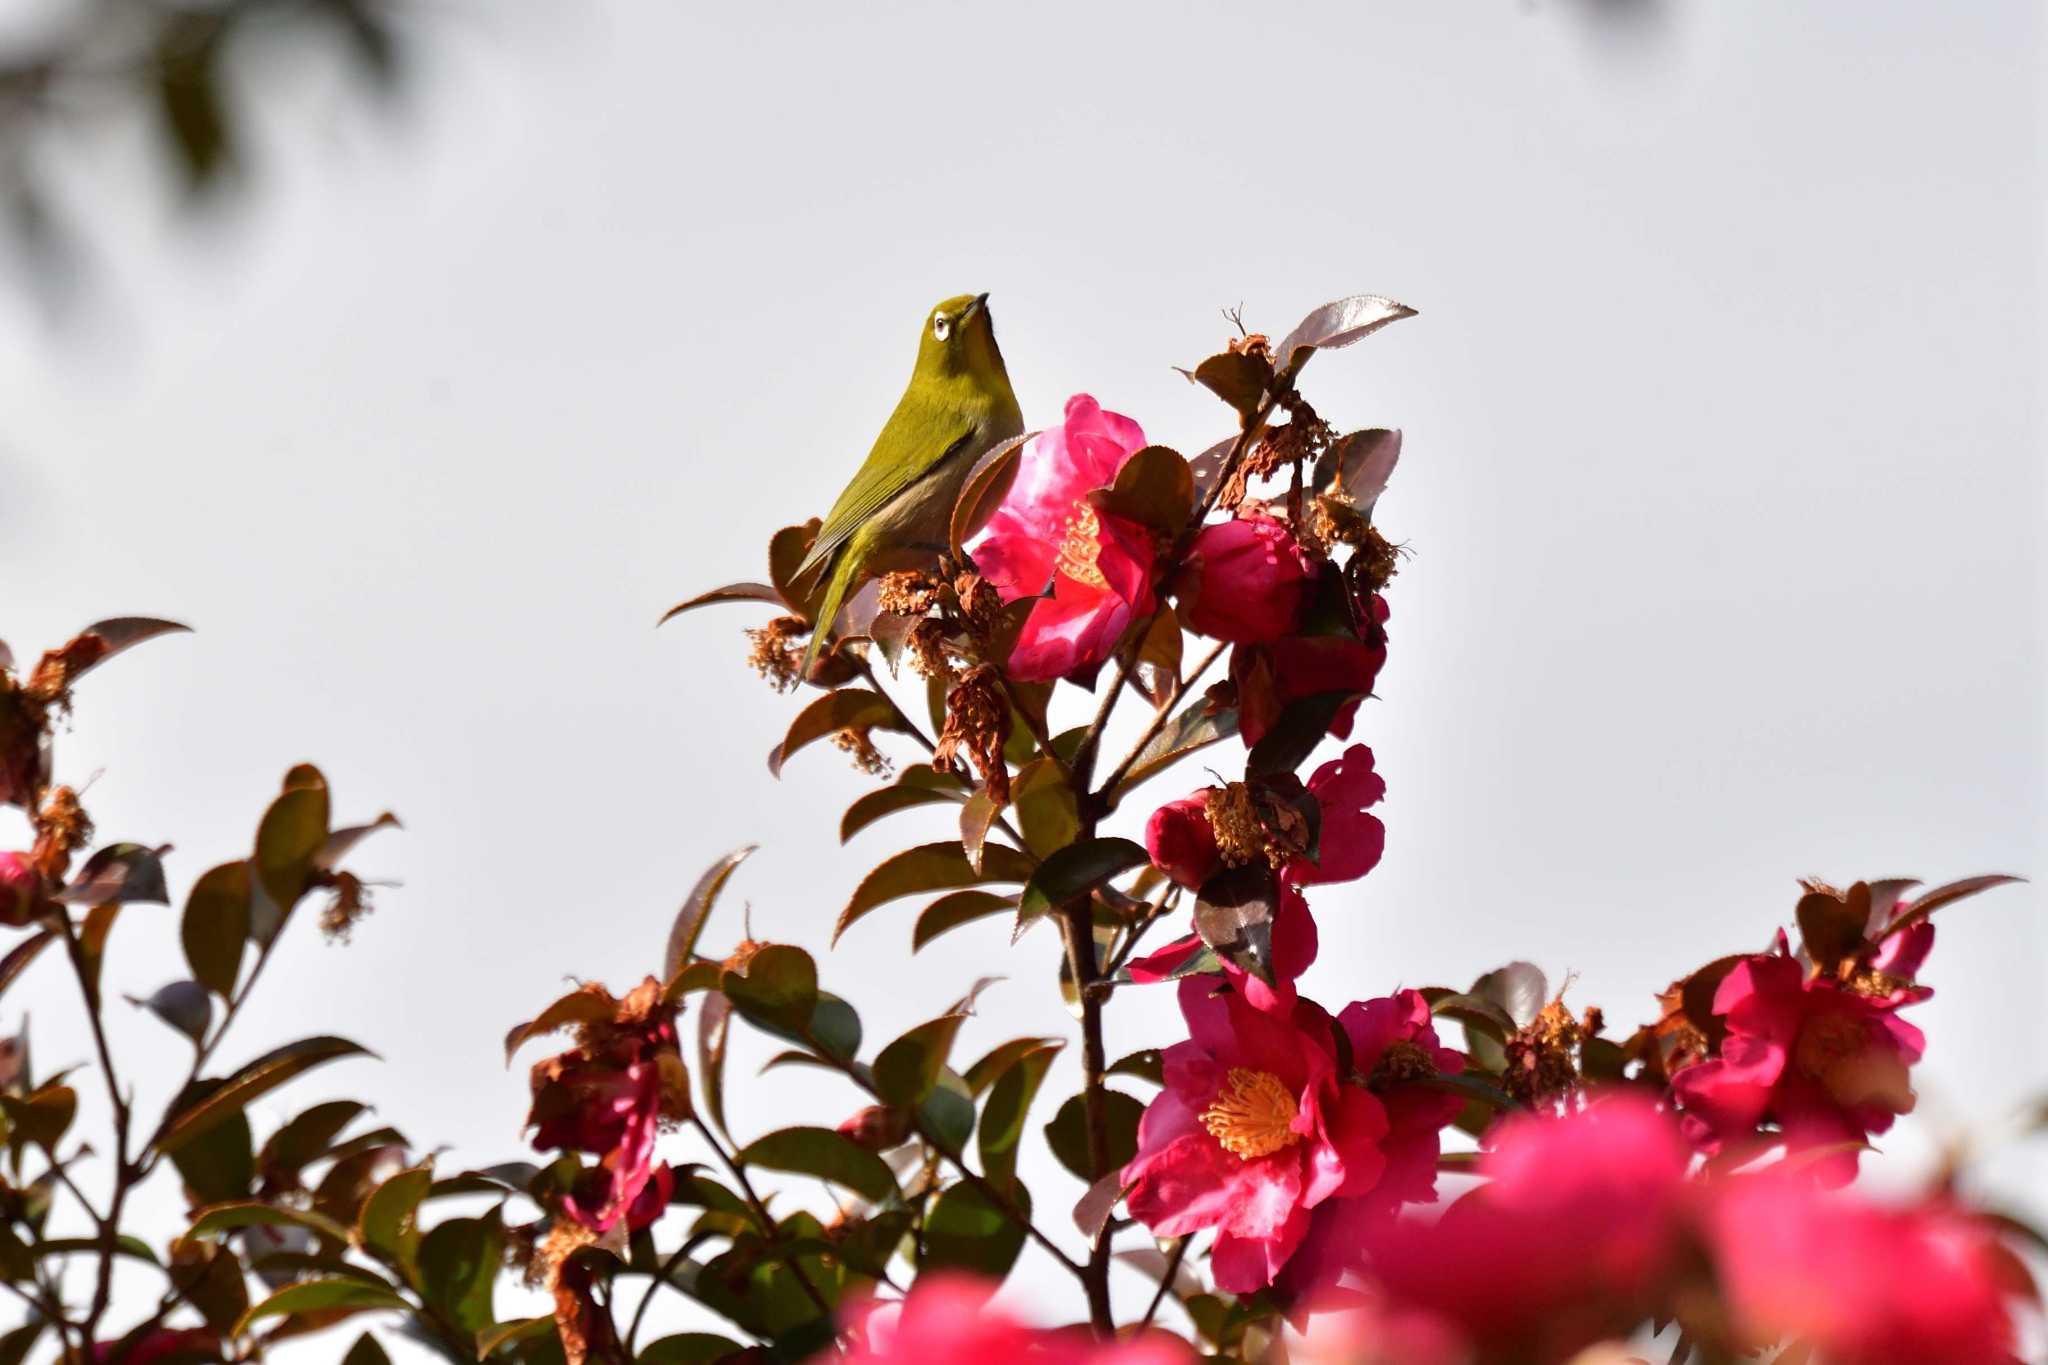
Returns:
<point x="942" y="326"/>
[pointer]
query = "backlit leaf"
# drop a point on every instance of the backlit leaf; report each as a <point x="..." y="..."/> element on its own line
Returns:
<point x="1237" y="377"/>
<point x="690" y="920"/>
<point x="952" y="911"/>
<point x="907" y="1068"/>
<point x="828" y="715"/>
<point x="1337" y="324"/>
<point x="984" y="492"/>
<point x="930" y="867"/>
<point x="917" y="785"/>
<point x="184" y="1005"/>
<point x="216" y="926"/>
<point x="119" y="874"/>
<point x="967" y="1231"/>
<point x="731" y="592"/>
<point x="1008" y="1105"/>
<point x="312" y="1296"/>
<point x="1074" y="871"/>
<point x="826" y="1154"/>
<point x="257" y="1078"/>
<point x="1068" y="1134"/>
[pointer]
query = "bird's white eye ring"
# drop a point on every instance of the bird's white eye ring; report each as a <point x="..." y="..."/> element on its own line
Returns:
<point x="942" y="326"/>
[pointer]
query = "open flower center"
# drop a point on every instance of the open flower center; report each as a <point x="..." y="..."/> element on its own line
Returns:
<point x="1827" y="1041"/>
<point x="1252" y="1115"/>
<point x="1082" y="547"/>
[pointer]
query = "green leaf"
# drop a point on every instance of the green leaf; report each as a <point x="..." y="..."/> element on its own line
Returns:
<point x="999" y="1059"/>
<point x="389" y="1222"/>
<point x="220" y="1164"/>
<point x="458" y="1264"/>
<point x="929" y="867"/>
<point x="688" y="1348"/>
<point x="315" y="1296"/>
<point x="826" y="1154"/>
<point x="306" y="1138"/>
<point x="779" y="987"/>
<point x="366" y="1351"/>
<point x="947" y="1114"/>
<point x="1146" y="1064"/>
<point x="1301" y="726"/>
<point x="917" y="785"/>
<point x="1192" y="730"/>
<point x="1076" y="870"/>
<point x="731" y="592"/>
<point x="291" y="835"/>
<point x="696" y="910"/>
<point x="41" y="1117"/>
<point x="511" y="1333"/>
<point x="216" y="927"/>
<point x="259" y="1077"/>
<point x="835" y="1028"/>
<point x="955" y="909"/>
<point x="1068" y="1134"/>
<point x="1045" y="806"/>
<point x="976" y="816"/>
<point x="909" y="1067"/>
<point x="1009" y="1103"/>
<point x="254" y="1213"/>
<point x="828" y="715"/>
<point x="119" y="874"/>
<point x="967" y="1231"/>
<point x="184" y="1005"/>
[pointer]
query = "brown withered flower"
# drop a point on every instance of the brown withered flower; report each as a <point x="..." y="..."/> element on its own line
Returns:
<point x="50" y="684"/>
<point x="928" y="650"/>
<point x="856" y="742"/>
<point x="62" y="828"/>
<point x="1542" y="1056"/>
<point x="350" y="903"/>
<point x="775" y="651"/>
<point x="908" y="592"/>
<point x="978" y="725"/>
<point x="981" y="606"/>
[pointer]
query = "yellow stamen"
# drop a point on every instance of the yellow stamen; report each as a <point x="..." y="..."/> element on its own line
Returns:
<point x="1252" y="1115"/>
<point x="1082" y="547"/>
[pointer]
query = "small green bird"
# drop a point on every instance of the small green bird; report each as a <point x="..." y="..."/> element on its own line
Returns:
<point x="899" y="507"/>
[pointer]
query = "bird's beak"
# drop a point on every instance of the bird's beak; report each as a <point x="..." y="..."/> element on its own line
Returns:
<point x="980" y="303"/>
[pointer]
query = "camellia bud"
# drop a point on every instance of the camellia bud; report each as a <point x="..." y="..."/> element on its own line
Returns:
<point x="23" y="897"/>
<point x="877" y="1128"/>
<point x="1245" y="580"/>
<point x="1182" y="842"/>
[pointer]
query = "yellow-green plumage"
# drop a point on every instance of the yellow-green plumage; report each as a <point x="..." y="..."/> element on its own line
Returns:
<point x="898" y="509"/>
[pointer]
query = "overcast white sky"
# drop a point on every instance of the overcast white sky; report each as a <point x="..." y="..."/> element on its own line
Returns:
<point x="1722" y="477"/>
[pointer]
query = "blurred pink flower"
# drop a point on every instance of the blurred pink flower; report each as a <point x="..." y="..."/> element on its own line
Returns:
<point x="1244" y="580"/>
<point x="24" y="897"/>
<point x="1253" y="1129"/>
<point x="162" y="1346"/>
<point x="1099" y="566"/>
<point x="947" y="1317"/>
<point x="1569" y="1243"/>
<point x="1865" y="1285"/>
<point x="1826" y="1063"/>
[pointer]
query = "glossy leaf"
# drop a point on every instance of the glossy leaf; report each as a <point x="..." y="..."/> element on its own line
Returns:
<point x="307" y="1138"/>
<point x="1832" y="929"/>
<point x="976" y="816"/>
<point x="690" y="920"/>
<point x="458" y="1269"/>
<point x="504" y="1334"/>
<point x="984" y="492"/>
<point x="967" y="1231"/>
<point x="929" y="867"/>
<point x="731" y="592"/>
<point x="22" y="954"/>
<point x="828" y="715"/>
<point x="1237" y="377"/>
<point x="1294" y="735"/>
<point x="216" y="926"/>
<point x="257" y="1078"/>
<point x="314" y="1296"/>
<point x="908" y="1068"/>
<point x="1076" y="870"/>
<point x="917" y="785"/>
<point x="951" y="911"/>
<point x="714" y="1027"/>
<point x="1519" y="989"/>
<point x="1067" y="1134"/>
<point x="184" y="1005"/>
<point x="786" y="551"/>
<point x="779" y="986"/>
<point x="1146" y="1064"/>
<point x="1192" y="730"/>
<point x="1337" y="324"/>
<point x="255" y="1213"/>
<point x="1008" y="1105"/>
<point x="291" y="835"/>
<point x="1154" y="488"/>
<point x="388" y="1225"/>
<point x="119" y="874"/>
<point x="999" y="1059"/>
<point x="1931" y="901"/>
<point x="1234" y="916"/>
<point x="1356" y="467"/>
<point x="825" y="1154"/>
<point x="122" y="633"/>
<point x="219" y="1165"/>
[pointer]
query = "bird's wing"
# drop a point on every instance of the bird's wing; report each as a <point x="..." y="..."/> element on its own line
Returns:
<point x="929" y="435"/>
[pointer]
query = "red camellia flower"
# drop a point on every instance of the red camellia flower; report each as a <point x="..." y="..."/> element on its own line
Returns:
<point x="947" y="1317"/>
<point x="1244" y="580"/>
<point x="1823" y="1061"/>
<point x="1865" y="1285"/>
<point x="1295" y="944"/>
<point x="1568" y="1244"/>
<point x="1269" y="676"/>
<point x="608" y="1097"/>
<point x="161" y="1346"/>
<point x="1098" y="565"/>
<point x="1182" y="842"/>
<point x="24" y="898"/>
<point x="1254" y="1129"/>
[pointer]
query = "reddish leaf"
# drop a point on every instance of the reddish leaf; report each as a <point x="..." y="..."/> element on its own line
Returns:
<point x="731" y="592"/>
<point x="929" y="867"/>
<point x="831" y="713"/>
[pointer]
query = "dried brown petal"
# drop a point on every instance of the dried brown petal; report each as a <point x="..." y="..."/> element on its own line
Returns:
<point x="977" y="724"/>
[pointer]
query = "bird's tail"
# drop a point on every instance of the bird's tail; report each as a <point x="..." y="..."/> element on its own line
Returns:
<point x="843" y="573"/>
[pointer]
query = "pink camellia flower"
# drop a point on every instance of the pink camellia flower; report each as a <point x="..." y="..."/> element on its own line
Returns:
<point x="1570" y="1243"/>
<point x="1270" y="676"/>
<point x="1182" y="842"/>
<point x="1395" y="1052"/>
<point x="161" y="1346"/>
<point x="1244" y="580"/>
<point x="1254" y="1129"/>
<point x="607" y="1097"/>
<point x="24" y="898"/>
<point x="1864" y="1284"/>
<point x="1046" y="534"/>
<point x="1825" y="1062"/>
<point x="947" y="1317"/>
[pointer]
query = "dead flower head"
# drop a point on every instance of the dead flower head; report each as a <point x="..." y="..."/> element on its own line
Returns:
<point x="855" y="741"/>
<point x="775" y="652"/>
<point x="977" y="724"/>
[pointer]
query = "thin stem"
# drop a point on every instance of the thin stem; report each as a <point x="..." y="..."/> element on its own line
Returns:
<point x="916" y="732"/>
<point x="1157" y="912"/>
<point x="1166" y="1279"/>
<point x="1107" y="795"/>
<point x="109" y="1225"/>
<point x="661" y="1277"/>
<point x="767" y="1219"/>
